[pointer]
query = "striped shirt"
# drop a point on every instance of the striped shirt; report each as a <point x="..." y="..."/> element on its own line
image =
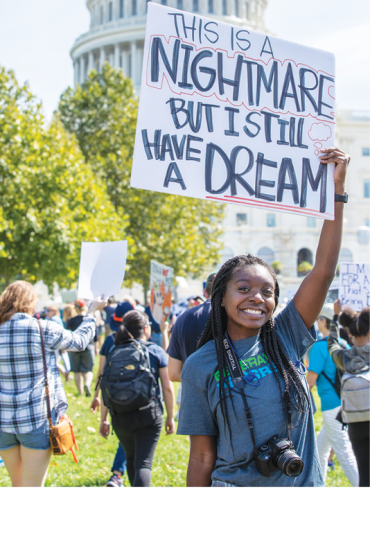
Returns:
<point x="22" y="381"/>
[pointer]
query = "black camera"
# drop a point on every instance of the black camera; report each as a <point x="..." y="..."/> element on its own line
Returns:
<point x="278" y="454"/>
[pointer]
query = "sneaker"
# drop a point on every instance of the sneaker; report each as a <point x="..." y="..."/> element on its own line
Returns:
<point x="114" y="481"/>
<point x="87" y="389"/>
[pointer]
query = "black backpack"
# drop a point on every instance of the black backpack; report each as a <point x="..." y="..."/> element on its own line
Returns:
<point x="127" y="382"/>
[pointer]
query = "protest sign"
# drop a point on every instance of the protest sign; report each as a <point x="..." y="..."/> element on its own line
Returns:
<point x="102" y="269"/>
<point x="354" y="285"/>
<point x="161" y="282"/>
<point x="333" y="293"/>
<point x="235" y="116"/>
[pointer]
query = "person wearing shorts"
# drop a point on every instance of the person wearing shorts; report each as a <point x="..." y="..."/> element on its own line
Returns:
<point x="82" y="363"/>
<point x="24" y="438"/>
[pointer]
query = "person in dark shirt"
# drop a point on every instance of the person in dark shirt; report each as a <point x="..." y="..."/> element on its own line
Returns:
<point x="82" y="363"/>
<point x="109" y="311"/>
<point x="186" y="333"/>
<point x="119" y="466"/>
<point x="138" y="431"/>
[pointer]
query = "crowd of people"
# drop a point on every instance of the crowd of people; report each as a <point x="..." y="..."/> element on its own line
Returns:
<point x="246" y="367"/>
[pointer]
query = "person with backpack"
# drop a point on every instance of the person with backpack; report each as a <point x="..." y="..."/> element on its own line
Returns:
<point x="131" y="392"/>
<point x="355" y="390"/>
<point x="323" y="373"/>
<point x="119" y="464"/>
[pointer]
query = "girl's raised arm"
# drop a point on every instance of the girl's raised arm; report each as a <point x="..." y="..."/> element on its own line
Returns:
<point x="312" y="292"/>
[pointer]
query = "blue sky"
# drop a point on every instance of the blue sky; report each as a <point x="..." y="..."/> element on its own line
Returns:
<point x="36" y="37"/>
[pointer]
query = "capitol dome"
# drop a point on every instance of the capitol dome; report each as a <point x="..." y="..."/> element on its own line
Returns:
<point x="117" y="30"/>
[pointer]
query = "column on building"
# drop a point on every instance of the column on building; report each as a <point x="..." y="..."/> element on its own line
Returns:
<point x="139" y="62"/>
<point x="116" y="55"/>
<point x="253" y="12"/>
<point x="82" y="68"/>
<point x="133" y="62"/>
<point x="90" y="64"/>
<point x="101" y="58"/>
<point x="217" y="7"/>
<point x="76" y="68"/>
<point x="125" y="61"/>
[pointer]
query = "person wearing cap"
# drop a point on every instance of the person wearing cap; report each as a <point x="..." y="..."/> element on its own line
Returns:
<point x="82" y="363"/>
<point x="119" y="463"/>
<point x="322" y="372"/>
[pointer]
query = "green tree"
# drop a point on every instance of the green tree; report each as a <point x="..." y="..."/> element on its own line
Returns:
<point x="50" y="198"/>
<point x="174" y="230"/>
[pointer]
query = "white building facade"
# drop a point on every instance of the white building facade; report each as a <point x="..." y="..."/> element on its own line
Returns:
<point x="117" y="34"/>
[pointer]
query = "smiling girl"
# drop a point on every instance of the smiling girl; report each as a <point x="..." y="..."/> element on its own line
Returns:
<point x="260" y="433"/>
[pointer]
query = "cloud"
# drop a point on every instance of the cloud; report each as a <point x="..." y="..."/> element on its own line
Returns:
<point x="319" y="132"/>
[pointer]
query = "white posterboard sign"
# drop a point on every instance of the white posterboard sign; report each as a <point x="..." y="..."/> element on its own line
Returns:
<point x="161" y="283"/>
<point x="102" y="269"/>
<point x="235" y="116"/>
<point x="354" y="285"/>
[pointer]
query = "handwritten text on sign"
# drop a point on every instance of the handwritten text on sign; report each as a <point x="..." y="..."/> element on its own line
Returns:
<point x="234" y="116"/>
<point x="354" y="285"/>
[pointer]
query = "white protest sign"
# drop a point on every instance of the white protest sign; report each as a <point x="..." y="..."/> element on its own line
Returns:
<point x="161" y="282"/>
<point x="235" y="116"/>
<point x="354" y="285"/>
<point x="102" y="269"/>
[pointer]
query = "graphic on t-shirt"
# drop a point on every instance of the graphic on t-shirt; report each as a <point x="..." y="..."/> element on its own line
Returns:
<point x="257" y="366"/>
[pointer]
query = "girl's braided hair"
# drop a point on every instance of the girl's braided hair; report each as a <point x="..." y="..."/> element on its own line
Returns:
<point x="217" y="325"/>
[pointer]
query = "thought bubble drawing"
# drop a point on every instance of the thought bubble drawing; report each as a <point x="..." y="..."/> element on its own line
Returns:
<point x="319" y="133"/>
<point x="331" y="92"/>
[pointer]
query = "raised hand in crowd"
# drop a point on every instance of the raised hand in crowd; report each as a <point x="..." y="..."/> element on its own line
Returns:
<point x="337" y="307"/>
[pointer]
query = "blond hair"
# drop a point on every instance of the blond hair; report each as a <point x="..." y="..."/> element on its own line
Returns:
<point x="69" y="312"/>
<point x="19" y="296"/>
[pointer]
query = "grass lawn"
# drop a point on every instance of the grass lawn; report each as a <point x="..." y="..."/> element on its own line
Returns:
<point x="96" y="454"/>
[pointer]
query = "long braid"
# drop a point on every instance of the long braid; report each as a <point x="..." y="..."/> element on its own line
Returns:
<point x="272" y="344"/>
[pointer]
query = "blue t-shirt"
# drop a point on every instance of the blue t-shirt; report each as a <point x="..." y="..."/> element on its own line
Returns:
<point x="200" y="412"/>
<point x="109" y="311"/>
<point x="187" y="330"/>
<point x="154" y="324"/>
<point x="320" y="361"/>
<point x="158" y="358"/>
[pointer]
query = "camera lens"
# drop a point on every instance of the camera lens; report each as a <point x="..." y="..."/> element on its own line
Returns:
<point x="290" y="464"/>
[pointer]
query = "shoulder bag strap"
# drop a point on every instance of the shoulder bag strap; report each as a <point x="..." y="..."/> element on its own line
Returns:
<point x="46" y="376"/>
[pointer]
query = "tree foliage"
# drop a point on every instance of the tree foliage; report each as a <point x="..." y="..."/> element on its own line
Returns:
<point x="50" y="198"/>
<point x="174" y="230"/>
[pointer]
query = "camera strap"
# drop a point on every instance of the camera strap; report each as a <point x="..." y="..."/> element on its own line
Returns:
<point x="239" y="382"/>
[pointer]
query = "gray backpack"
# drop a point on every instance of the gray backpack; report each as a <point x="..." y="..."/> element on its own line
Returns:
<point x="355" y="394"/>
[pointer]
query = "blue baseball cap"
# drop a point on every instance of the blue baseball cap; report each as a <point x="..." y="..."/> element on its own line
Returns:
<point x="116" y="319"/>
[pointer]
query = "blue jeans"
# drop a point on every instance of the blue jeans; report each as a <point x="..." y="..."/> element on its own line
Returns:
<point x="37" y="439"/>
<point x="157" y="338"/>
<point x="119" y="462"/>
